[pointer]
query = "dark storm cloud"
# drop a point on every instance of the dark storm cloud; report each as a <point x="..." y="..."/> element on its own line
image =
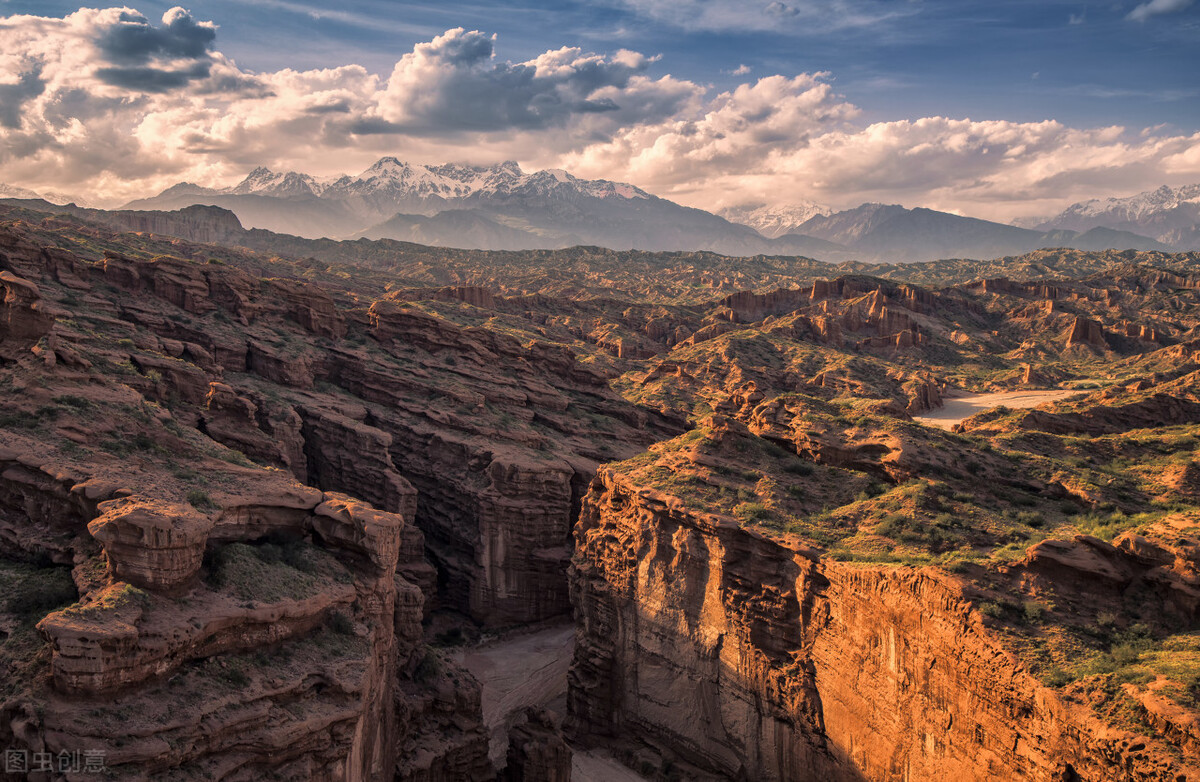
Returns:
<point x="13" y="96"/>
<point x="148" y="79"/>
<point x="134" y="41"/>
<point x="140" y="53"/>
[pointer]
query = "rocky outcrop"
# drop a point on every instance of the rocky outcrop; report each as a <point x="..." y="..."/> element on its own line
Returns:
<point x="751" y="658"/>
<point x="439" y="713"/>
<point x="537" y="751"/>
<point x="1086" y="332"/>
<point x="352" y="456"/>
<point x="194" y="223"/>
<point x="151" y="544"/>
<point x="23" y="321"/>
<point x="269" y="434"/>
<point x="268" y="634"/>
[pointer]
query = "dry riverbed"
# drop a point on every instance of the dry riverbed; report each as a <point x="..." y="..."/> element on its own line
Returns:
<point x="957" y="409"/>
<point x="530" y="669"/>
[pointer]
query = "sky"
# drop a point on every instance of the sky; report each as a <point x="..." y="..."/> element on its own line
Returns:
<point x="999" y="110"/>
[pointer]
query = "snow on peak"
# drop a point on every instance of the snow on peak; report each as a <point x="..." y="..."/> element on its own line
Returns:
<point x="1137" y="206"/>
<point x="12" y="191"/>
<point x="265" y="182"/>
<point x="391" y="178"/>
<point x="774" y="220"/>
<point x="509" y="167"/>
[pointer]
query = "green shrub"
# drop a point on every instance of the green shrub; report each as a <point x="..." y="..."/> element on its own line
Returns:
<point x="993" y="610"/>
<point x="74" y="402"/>
<point x="200" y="500"/>
<point x="1056" y="677"/>
<point x="235" y="677"/>
<point x="41" y="591"/>
<point x="1124" y="654"/>
<point x="798" y="467"/>
<point x="1031" y="518"/>
<point x="936" y="535"/>
<point x="752" y="511"/>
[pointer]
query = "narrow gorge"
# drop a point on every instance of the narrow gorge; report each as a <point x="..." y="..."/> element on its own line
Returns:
<point x="267" y="519"/>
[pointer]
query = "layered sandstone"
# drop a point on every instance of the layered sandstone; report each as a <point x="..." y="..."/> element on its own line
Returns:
<point x="751" y="657"/>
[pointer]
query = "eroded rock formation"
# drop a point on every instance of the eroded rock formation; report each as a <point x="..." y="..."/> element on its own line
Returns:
<point x="750" y="658"/>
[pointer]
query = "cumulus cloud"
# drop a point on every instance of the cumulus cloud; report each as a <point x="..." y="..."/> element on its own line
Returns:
<point x="453" y="84"/>
<point x="782" y="140"/>
<point x="107" y="100"/>
<point x="1157" y="7"/>
<point x="108" y="104"/>
<point x="134" y="41"/>
<point x="155" y="59"/>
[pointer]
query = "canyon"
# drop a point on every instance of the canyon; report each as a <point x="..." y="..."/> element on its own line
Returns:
<point x="279" y="508"/>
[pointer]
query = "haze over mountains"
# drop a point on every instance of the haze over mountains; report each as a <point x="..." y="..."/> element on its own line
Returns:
<point x="502" y="207"/>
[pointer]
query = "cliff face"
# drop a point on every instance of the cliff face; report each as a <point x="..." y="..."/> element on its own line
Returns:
<point x="749" y="657"/>
<point x="496" y="439"/>
<point x="284" y="657"/>
<point x="173" y="608"/>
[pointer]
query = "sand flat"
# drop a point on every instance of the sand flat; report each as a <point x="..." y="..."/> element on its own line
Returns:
<point x="957" y="409"/>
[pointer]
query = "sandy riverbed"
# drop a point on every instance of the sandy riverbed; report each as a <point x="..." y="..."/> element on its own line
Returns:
<point x="957" y="409"/>
<point x="530" y="669"/>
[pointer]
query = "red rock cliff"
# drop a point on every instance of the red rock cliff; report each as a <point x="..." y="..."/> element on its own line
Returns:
<point x="748" y="658"/>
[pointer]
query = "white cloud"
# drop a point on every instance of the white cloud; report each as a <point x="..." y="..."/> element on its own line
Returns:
<point x="104" y="100"/>
<point x="783" y="140"/>
<point x="178" y="109"/>
<point x="1157" y="7"/>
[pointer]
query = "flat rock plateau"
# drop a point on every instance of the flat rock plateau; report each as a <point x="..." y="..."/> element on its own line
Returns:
<point x="286" y="509"/>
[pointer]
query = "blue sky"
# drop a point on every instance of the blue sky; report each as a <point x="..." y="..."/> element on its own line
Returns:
<point x="724" y="101"/>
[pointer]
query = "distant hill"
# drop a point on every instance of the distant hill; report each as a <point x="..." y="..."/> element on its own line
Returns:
<point x="892" y="233"/>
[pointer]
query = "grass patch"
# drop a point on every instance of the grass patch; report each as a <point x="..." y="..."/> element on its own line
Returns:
<point x="271" y="572"/>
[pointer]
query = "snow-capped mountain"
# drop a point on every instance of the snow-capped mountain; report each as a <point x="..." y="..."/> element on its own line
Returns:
<point x="12" y="191"/>
<point x="777" y="220"/>
<point x="404" y="182"/>
<point x="509" y="208"/>
<point x="1135" y="207"/>
<point x="504" y="207"/>
<point x="1170" y="215"/>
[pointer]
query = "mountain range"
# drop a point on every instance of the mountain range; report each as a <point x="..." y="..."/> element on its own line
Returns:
<point x="502" y="207"/>
<point x="1170" y="215"/>
<point x="497" y="207"/>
